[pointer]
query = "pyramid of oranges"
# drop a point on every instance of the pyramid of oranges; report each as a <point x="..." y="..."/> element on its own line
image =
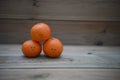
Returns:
<point x="41" y="33"/>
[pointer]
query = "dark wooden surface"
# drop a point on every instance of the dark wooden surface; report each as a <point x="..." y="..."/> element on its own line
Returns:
<point x="97" y="10"/>
<point x="75" y="22"/>
<point x="69" y="32"/>
<point x="76" y="62"/>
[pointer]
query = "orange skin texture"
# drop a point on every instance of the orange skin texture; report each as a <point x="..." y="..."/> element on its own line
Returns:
<point x="40" y="32"/>
<point x="31" y="48"/>
<point x="53" y="48"/>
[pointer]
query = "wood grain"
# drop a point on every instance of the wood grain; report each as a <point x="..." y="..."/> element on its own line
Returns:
<point x="93" y="10"/>
<point x="69" y="32"/>
<point x="59" y="74"/>
<point x="73" y="57"/>
<point x="75" y="22"/>
<point x="76" y="63"/>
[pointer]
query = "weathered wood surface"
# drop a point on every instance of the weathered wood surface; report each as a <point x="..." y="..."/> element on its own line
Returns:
<point x="76" y="63"/>
<point x="73" y="57"/>
<point x="70" y="32"/>
<point x="59" y="74"/>
<point x="75" y="22"/>
<point x="100" y="10"/>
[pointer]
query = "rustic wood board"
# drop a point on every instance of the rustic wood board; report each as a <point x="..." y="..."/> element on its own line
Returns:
<point x="73" y="57"/>
<point x="76" y="63"/>
<point x="97" y="10"/>
<point x="69" y="32"/>
<point x="59" y="74"/>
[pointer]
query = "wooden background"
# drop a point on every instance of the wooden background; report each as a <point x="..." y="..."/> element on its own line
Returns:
<point x="75" y="22"/>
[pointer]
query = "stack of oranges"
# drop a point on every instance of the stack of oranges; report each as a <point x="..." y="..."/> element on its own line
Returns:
<point x="41" y="32"/>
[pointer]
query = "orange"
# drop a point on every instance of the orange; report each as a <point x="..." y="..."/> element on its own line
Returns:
<point x="52" y="47"/>
<point x="40" y="32"/>
<point x="31" y="48"/>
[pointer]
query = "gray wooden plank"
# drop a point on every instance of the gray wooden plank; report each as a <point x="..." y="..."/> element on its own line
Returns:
<point x="73" y="57"/>
<point x="69" y="32"/>
<point x="100" y="10"/>
<point x="59" y="74"/>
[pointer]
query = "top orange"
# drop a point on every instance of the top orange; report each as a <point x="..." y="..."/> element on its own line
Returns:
<point x="40" y="32"/>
